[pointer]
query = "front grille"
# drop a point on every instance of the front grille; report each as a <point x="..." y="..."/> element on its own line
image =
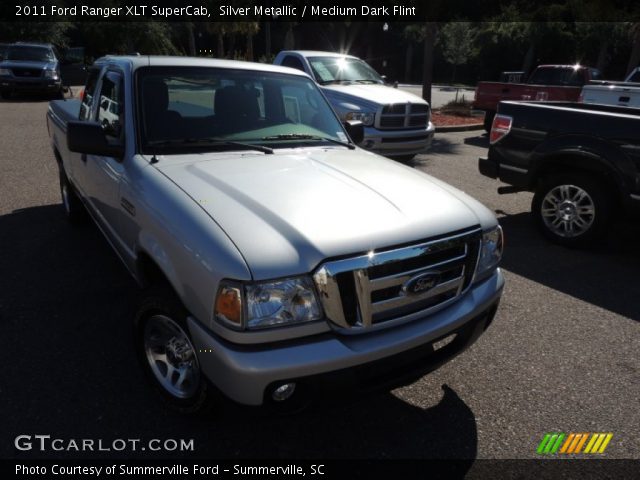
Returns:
<point x="27" y="72"/>
<point x="371" y="289"/>
<point x="399" y="116"/>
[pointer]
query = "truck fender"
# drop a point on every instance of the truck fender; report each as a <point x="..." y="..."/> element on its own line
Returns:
<point x="148" y="247"/>
<point x="584" y="153"/>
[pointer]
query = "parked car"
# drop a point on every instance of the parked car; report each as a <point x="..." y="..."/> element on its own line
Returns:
<point x="626" y="94"/>
<point x="582" y="161"/>
<point x="3" y="50"/>
<point x="546" y="83"/>
<point x="30" y="67"/>
<point x="276" y="255"/>
<point x="397" y="123"/>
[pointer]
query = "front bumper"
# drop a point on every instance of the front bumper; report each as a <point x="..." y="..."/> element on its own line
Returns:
<point x="398" y="142"/>
<point x="247" y="373"/>
<point x="39" y="84"/>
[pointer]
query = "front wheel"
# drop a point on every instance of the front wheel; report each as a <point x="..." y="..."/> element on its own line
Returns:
<point x="167" y="354"/>
<point x="572" y="210"/>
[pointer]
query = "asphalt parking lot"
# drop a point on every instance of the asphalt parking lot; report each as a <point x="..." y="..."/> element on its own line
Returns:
<point x="562" y="354"/>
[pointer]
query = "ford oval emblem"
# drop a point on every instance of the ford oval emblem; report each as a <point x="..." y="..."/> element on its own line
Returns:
<point x="421" y="283"/>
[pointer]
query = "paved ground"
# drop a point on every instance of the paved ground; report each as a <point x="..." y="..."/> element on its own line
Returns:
<point x="562" y="354"/>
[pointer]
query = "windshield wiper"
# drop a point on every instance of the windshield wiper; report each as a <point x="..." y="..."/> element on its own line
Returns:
<point x="305" y="136"/>
<point x="209" y="142"/>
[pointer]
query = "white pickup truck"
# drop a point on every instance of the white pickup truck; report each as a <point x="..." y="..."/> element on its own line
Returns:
<point x="397" y="123"/>
<point x="604" y="92"/>
<point x="277" y="256"/>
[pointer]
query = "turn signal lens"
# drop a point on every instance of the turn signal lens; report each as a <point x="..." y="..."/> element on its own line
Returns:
<point x="229" y="306"/>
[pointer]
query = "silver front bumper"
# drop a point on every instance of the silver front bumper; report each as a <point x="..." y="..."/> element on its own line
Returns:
<point x="398" y="142"/>
<point x="243" y="373"/>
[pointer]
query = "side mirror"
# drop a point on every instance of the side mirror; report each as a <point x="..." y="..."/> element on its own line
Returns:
<point x="355" y="129"/>
<point x="90" y="138"/>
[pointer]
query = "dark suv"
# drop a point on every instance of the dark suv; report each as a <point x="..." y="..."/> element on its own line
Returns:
<point x="33" y="67"/>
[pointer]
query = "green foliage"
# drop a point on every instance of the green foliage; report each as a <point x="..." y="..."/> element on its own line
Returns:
<point x="458" y="40"/>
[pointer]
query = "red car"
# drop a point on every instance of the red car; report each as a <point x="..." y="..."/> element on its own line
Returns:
<point x="546" y="83"/>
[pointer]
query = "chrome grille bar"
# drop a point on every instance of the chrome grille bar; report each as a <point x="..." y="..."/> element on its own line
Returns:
<point x="361" y="292"/>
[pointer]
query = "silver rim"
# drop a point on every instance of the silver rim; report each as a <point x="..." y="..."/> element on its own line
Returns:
<point x="171" y="357"/>
<point x="568" y="210"/>
<point x="65" y="197"/>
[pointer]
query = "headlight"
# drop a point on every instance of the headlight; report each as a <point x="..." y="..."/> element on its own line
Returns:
<point x="366" y="118"/>
<point x="490" y="252"/>
<point x="276" y="303"/>
<point x="5" y="71"/>
<point x="51" y="74"/>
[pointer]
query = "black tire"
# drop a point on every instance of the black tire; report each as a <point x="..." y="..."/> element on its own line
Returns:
<point x="160" y="302"/>
<point x="5" y="94"/>
<point x="488" y="120"/>
<point x="572" y="210"/>
<point x="73" y="208"/>
<point x="403" y="158"/>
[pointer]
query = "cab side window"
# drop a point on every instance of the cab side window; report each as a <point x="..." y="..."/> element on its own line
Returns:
<point x="110" y="112"/>
<point x="87" y="96"/>
<point x="293" y="62"/>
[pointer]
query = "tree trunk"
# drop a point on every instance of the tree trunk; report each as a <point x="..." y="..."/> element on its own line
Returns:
<point x="453" y="75"/>
<point x="249" y="54"/>
<point x="427" y="67"/>
<point x="634" y="59"/>
<point x="191" y="37"/>
<point x="408" y="60"/>
<point x="527" y="64"/>
<point x="289" y="40"/>
<point x="267" y="39"/>
<point x="602" y="56"/>
<point x="232" y="46"/>
<point x="220" y="45"/>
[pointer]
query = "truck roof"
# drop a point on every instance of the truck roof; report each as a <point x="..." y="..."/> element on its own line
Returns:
<point x="317" y="53"/>
<point x="137" y="61"/>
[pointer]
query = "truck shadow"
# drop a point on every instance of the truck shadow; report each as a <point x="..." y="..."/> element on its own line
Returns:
<point x="480" y="140"/>
<point x="66" y="308"/>
<point x="605" y="276"/>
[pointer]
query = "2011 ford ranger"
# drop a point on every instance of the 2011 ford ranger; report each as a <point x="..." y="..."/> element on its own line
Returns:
<point x="277" y="256"/>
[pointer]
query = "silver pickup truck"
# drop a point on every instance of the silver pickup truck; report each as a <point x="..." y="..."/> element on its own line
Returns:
<point x="276" y="256"/>
<point x="397" y="123"/>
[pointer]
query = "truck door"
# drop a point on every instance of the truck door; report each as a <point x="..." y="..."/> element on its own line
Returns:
<point x="102" y="175"/>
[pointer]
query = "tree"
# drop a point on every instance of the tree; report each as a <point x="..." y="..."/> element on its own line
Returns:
<point x="458" y="44"/>
<point x="430" y="31"/>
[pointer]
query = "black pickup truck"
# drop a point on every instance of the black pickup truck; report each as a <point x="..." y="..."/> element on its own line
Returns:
<point x="581" y="160"/>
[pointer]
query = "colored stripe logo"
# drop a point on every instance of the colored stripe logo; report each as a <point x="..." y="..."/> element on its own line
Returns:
<point x="574" y="443"/>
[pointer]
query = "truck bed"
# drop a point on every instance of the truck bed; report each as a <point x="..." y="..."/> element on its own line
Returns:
<point x="63" y="111"/>
<point x="625" y="94"/>
<point x="542" y="132"/>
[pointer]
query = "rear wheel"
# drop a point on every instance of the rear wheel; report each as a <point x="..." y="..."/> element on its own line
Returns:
<point x="572" y="210"/>
<point x="166" y="352"/>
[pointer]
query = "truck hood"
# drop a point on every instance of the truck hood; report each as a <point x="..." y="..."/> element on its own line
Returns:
<point x="374" y="95"/>
<point x="289" y="211"/>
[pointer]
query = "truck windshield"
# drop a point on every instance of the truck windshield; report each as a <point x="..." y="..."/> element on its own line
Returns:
<point x="343" y="69"/>
<point x="195" y="108"/>
<point x="30" y="54"/>
<point x="569" y="76"/>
